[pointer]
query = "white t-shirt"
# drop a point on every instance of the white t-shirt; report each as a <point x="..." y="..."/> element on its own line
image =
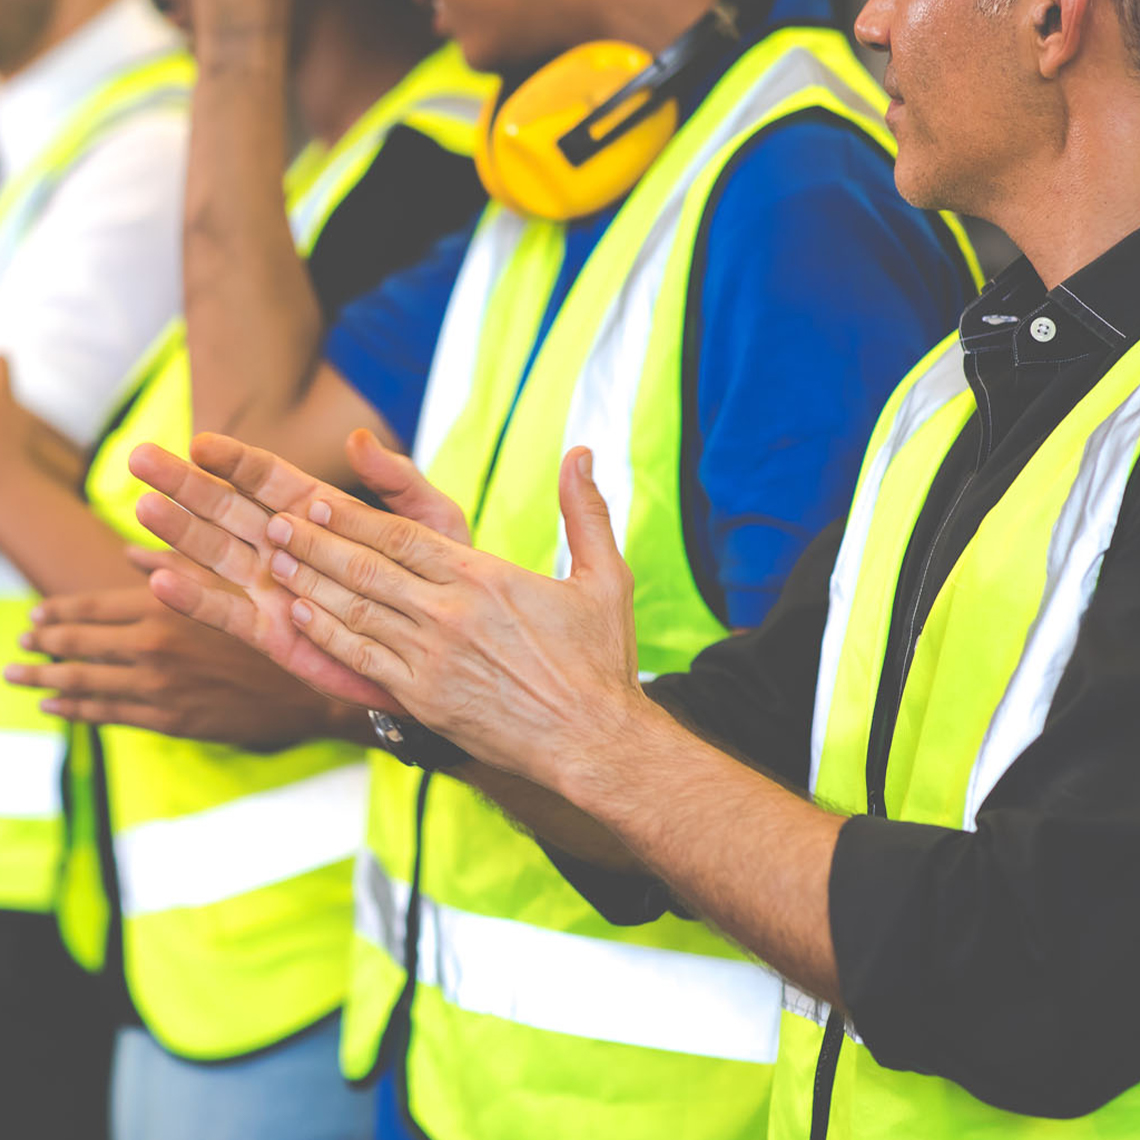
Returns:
<point x="98" y="274"/>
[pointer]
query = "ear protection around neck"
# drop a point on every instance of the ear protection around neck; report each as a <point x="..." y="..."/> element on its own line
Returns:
<point x="581" y="132"/>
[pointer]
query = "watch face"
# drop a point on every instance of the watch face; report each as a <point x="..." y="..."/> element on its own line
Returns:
<point x="388" y="732"/>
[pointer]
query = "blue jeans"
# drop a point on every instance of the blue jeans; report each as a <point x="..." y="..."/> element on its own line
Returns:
<point x="293" y="1091"/>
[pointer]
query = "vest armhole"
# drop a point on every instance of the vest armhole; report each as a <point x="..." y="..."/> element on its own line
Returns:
<point x="711" y="591"/>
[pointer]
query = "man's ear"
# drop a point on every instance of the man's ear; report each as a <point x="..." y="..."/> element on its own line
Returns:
<point x="1057" y="28"/>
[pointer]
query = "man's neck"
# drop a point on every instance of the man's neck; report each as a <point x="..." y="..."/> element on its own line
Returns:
<point x="338" y="78"/>
<point x="66" y="19"/>
<point x="649" y="23"/>
<point x="1086" y="195"/>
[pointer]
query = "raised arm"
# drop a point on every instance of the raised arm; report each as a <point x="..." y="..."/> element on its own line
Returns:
<point x="254" y="324"/>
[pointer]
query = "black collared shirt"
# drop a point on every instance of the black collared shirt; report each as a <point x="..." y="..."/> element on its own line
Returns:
<point x="1003" y="959"/>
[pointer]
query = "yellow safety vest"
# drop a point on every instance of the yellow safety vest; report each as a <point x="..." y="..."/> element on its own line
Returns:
<point x="1021" y="587"/>
<point x="531" y="1015"/>
<point x="32" y="745"/>
<point x="234" y="870"/>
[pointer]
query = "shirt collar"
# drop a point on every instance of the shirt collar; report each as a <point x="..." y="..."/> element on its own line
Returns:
<point x="1094" y="310"/>
<point x="36" y="102"/>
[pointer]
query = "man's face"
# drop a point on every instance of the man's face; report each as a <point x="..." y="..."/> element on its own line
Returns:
<point x="22" y="23"/>
<point x="962" y="96"/>
<point x="496" y="35"/>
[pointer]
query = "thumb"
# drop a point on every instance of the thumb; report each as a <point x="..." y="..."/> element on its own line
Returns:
<point x="589" y="532"/>
<point x="400" y="486"/>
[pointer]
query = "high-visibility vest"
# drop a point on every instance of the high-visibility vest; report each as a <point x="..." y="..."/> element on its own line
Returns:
<point x="32" y="745"/>
<point x="233" y="869"/>
<point x="531" y="1015"/>
<point x="1021" y="587"/>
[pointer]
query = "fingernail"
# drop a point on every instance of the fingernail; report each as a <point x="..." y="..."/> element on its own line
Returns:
<point x="16" y="674"/>
<point x="302" y="615"/>
<point x="37" y="615"/>
<point x="279" y="530"/>
<point x="321" y="514"/>
<point x="283" y="565"/>
<point x="586" y="464"/>
<point x="51" y="706"/>
<point x="25" y="641"/>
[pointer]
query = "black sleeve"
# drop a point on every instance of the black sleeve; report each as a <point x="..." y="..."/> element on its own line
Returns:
<point x="753" y="696"/>
<point x="414" y="193"/>
<point x="1006" y="959"/>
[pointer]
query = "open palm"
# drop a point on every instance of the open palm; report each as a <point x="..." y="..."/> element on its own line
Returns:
<point x="218" y="521"/>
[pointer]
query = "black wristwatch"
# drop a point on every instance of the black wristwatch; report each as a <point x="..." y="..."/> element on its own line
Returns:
<point x="413" y="744"/>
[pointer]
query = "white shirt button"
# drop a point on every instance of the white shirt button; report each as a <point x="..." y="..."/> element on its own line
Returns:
<point x="1043" y="330"/>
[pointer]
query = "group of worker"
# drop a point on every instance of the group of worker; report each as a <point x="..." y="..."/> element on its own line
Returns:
<point x="640" y="646"/>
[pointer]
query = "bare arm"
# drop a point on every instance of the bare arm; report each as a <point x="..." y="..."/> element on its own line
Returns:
<point x="254" y="325"/>
<point x="46" y="530"/>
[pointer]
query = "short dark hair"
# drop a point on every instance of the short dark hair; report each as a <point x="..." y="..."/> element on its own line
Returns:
<point x="1129" y="13"/>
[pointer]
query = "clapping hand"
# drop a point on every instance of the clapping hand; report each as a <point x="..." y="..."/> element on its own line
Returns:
<point x="222" y="529"/>
<point x="521" y="670"/>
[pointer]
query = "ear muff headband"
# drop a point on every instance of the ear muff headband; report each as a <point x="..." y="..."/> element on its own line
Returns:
<point x="582" y="131"/>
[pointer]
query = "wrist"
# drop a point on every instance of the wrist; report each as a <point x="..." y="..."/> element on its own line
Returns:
<point x="349" y="723"/>
<point x="606" y="763"/>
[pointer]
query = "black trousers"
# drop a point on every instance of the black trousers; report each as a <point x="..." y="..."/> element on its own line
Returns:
<point x="56" y="1035"/>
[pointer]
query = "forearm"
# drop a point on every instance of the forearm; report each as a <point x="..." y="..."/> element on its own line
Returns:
<point x="751" y="857"/>
<point x="54" y="539"/>
<point x="254" y="324"/>
<point x="551" y="818"/>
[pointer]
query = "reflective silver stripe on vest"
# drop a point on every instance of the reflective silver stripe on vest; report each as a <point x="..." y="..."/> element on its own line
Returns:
<point x="456" y="356"/>
<point x="252" y="842"/>
<point x="13" y="587"/>
<point x="1080" y="539"/>
<point x="31" y="772"/>
<point x="944" y="380"/>
<point x="31" y="763"/>
<point x="462" y="109"/>
<point x="587" y="987"/>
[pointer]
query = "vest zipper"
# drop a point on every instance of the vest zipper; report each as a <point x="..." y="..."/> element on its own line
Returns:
<point x="825" y="1069"/>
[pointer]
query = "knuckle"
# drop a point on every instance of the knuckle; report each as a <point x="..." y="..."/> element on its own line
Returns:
<point x="440" y="610"/>
<point x="360" y="571"/>
<point x="363" y="658"/>
<point x="400" y="539"/>
<point x="358" y="614"/>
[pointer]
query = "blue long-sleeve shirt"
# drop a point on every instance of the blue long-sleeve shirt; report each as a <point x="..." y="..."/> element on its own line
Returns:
<point x="819" y="289"/>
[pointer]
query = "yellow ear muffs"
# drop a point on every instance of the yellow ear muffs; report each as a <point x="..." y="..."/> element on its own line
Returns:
<point x="518" y="153"/>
